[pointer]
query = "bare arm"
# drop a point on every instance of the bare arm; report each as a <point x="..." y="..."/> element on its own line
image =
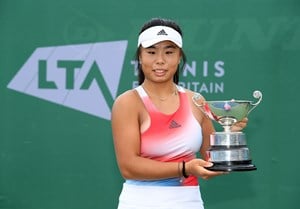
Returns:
<point x="126" y="134"/>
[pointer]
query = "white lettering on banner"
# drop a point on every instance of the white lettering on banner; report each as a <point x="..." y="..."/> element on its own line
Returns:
<point x="210" y="87"/>
<point x="84" y="77"/>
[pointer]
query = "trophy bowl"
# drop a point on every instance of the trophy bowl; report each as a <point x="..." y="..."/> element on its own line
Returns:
<point x="228" y="150"/>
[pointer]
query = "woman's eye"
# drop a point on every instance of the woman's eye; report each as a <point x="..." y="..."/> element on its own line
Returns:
<point x="169" y="52"/>
<point x="151" y="52"/>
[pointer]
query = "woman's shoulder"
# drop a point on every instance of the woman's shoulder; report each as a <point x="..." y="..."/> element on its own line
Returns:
<point x="126" y="94"/>
<point x="126" y="99"/>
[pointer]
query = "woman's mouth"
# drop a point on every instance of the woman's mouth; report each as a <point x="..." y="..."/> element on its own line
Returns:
<point x="160" y="72"/>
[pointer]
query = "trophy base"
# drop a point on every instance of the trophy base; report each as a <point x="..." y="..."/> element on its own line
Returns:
<point x="232" y="166"/>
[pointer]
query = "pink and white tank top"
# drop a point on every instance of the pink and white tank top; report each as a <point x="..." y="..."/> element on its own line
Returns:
<point x="170" y="137"/>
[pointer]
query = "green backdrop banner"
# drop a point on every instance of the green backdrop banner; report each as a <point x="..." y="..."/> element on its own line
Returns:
<point x="63" y="63"/>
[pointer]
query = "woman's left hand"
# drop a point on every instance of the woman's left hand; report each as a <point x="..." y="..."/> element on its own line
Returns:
<point x="239" y="125"/>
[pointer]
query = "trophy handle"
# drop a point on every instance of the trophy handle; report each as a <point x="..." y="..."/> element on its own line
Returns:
<point x="196" y="97"/>
<point x="204" y="106"/>
<point x="257" y="95"/>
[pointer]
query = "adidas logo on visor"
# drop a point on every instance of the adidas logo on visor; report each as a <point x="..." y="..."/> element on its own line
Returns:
<point x="162" y="32"/>
<point x="157" y="34"/>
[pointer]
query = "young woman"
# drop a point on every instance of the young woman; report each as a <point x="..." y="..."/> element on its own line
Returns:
<point x="157" y="129"/>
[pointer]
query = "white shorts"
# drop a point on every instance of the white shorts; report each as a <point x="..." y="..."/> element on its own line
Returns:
<point x="160" y="197"/>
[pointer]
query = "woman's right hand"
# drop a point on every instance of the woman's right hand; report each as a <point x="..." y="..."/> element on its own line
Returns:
<point x="197" y="167"/>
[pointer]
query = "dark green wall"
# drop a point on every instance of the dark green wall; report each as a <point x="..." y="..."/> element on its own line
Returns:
<point x="55" y="157"/>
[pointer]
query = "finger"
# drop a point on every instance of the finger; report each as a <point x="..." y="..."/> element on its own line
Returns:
<point x="210" y="174"/>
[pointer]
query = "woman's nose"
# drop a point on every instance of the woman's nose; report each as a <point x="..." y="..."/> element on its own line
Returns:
<point x="160" y="59"/>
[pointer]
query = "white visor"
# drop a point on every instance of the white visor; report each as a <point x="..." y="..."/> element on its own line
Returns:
<point x="157" y="34"/>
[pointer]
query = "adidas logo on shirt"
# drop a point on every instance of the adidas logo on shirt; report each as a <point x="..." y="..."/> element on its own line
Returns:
<point x="162" y="32"/>
<point x="174" y="124"/>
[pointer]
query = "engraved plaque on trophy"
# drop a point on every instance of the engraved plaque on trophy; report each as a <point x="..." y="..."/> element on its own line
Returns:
<point x="228" y="150"/>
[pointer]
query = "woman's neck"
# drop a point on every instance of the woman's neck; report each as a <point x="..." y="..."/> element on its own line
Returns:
<point x="161" y="92"/>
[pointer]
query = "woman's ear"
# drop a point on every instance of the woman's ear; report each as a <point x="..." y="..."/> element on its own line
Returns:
<point x="180" y="59"/>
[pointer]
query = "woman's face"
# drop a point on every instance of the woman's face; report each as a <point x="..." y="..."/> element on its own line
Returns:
<point x="160" y="61"/>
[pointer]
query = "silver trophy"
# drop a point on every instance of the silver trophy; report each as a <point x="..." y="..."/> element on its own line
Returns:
<point x="228" y="150"/>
